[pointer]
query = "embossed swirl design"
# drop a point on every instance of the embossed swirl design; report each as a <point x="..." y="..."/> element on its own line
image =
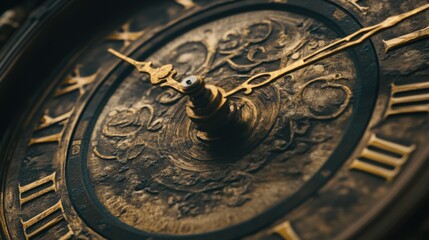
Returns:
<point x="145" y="140"/>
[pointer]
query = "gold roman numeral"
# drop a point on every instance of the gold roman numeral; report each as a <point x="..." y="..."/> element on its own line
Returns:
<point x="382" y="158"/>
<point x="44" y="221"/>
<point x="125" y="35"/>
<point x="409" y="98"/>
<point x="285" y="231"/>
<point x="47" y="139"/>
<point x="37" y="188"/>
<point x="46" y="122"/>
<point x="406" y="39"/>
<point x="48" y="218"/>
<point x="358" y="6"/>
<point x="76" y="82"/>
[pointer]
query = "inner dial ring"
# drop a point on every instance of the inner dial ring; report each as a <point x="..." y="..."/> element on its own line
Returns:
<point x="144" y="163"/>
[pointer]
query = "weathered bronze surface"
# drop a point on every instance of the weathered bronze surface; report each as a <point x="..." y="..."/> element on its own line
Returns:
<point x="321" y="133"/>
<point x="146" y="148"/>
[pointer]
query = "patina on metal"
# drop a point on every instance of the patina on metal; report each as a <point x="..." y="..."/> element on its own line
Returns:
<point x="240" y="120"/>
<point x="189" y="181"/>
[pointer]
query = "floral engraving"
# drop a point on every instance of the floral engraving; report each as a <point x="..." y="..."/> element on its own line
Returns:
<point x="150" y="147"/>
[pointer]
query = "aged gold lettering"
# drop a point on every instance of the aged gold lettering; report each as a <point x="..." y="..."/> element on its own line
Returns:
<point x="286" y="231"/>
<point x="382" y="158"/>
<point x="405" y="39"/>
<point x="125" y="35"/>
<point x="37" y="224"/>
<point x="358" y="6"/>
<point x="413" y="99"/>
<point x="43" y="186"/>
<point x="76" y="82"/>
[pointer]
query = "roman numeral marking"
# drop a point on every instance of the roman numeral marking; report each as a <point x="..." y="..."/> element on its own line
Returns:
<point x="46" y="122"/>
<point x="286" y="231"/>
<point x="43" y="186"/>
<point x="48" y="218"/>
<point x="409" y="98"/>
<point x="382" y="158"/>
<point x="44" y="221"/>
<point x="125" y="35"/>
<point x="72" y="83"/>
<point x="406" y="39"/>
<point x="76" y="82"/>
<point x="358" y="6"/>
<point x="48" y="139"/>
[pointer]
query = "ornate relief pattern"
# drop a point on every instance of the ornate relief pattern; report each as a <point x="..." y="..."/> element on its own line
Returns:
<point x="123" y="127"/>
<point x="147" y="138"/>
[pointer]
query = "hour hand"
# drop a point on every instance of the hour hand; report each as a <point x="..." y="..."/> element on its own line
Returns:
<point x="207" y="107"/>
<point x="351" y="40"/>
<point x="163" y="76"/>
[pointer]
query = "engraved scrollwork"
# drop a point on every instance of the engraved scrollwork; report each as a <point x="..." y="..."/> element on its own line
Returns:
<point x="335" y="106"/>
<point x="123" y="128"/>
<point x="183" y="177"/>
<point x="242" y="53"/>
<point x="244" y="49"/>
<point x="321" y="98"/>
<point x="168" y="97"/>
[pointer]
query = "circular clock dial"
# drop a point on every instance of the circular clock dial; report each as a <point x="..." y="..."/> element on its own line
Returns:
<point x="318" y="140"/>
<point x="147" y="164"/>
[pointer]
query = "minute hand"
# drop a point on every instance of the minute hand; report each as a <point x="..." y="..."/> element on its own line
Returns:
<point x="333" y="48"/>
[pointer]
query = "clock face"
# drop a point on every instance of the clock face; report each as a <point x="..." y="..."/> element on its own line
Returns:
<point x="309" y="122"/>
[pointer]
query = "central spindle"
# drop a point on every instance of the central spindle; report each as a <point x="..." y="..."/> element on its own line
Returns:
<point x="208" y="108"/>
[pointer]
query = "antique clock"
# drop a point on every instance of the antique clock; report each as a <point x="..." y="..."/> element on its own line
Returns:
<point x="226" y="119"/>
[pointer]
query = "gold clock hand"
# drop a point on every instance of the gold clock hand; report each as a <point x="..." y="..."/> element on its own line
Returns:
<point x="333" y="48"/>
<point x="207" y="107"/>
<point x="163" y="75"/>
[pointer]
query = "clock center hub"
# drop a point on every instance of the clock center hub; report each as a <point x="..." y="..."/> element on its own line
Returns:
<point x="208" y="108"/>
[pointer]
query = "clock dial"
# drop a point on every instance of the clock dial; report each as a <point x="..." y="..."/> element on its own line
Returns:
<point x="317" y="151"/>
<point x="144" y="138"/>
